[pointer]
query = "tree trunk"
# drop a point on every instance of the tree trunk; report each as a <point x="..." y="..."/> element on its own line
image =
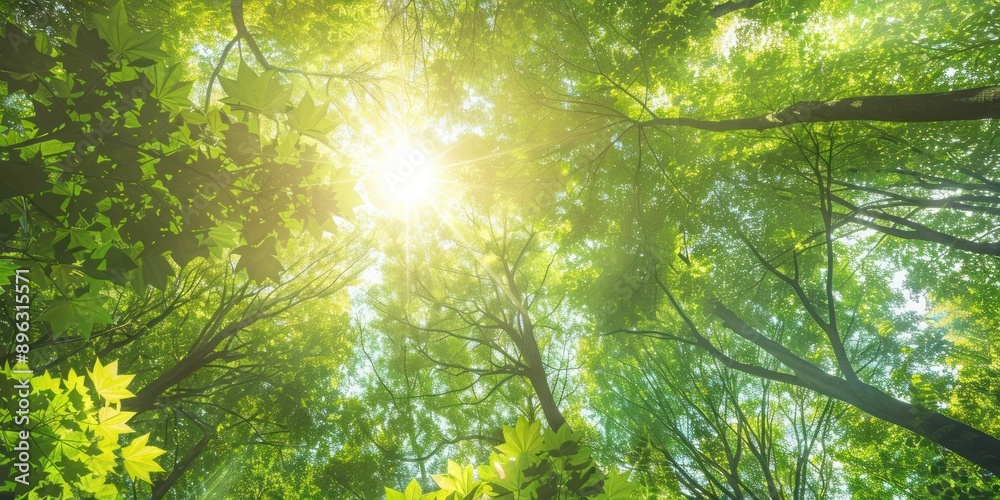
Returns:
<point x="969" y="104"/>
<point x="540" y="383"/>
<point x="732" y="6"/>
<point x="539" y="380"/>
<point x="973" y="444"/>
<point x="146" y="398"/>
<point x="163" y="486"/>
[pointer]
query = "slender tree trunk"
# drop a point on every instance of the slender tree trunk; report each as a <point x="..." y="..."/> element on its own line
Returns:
<point x="195" y="360"/>
<point x="236" y="6"/>
<point x="540" y="383"/>
<point x="163" y="486"/>
<point x="914" y="230"/>
<point x="732" y="6"/>
<point x="969" y="442"/>
<point x="969" y="104"/>
<point x="539" y="380"/>
<point x="973" y="444"/>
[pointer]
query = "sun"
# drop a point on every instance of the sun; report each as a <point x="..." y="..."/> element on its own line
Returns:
<point x="406" y="177"/>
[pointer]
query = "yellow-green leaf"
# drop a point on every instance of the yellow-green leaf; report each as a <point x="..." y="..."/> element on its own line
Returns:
<point x="524" y="437"/>
<point x="113" y="422"/>
<point x="109" y="384"/>
<point x="140" y="460"/>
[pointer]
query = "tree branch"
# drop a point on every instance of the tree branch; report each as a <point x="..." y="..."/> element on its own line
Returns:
<point x="236" y="6"/>
<point x="968" y="104"/>
<point x="732" y="6"/>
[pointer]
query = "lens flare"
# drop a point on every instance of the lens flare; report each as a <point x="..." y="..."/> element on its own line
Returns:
<point x="406" y="178"/>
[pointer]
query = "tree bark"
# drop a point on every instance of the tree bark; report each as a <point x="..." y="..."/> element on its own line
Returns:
<point x="915" y="230"/>
<point x="163" y="486"/>
<point x="535" y="374"/>
<point x="236" y="6"/>
<point x="973" y="444"/>
<point x="732" y="6"/>
<point x="553" y="415"/>
<point x="527" y="344"/>
<point x="968" y="104"/>
<point x="205" y="353"/>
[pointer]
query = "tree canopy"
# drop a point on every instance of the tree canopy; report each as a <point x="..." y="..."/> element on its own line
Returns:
<point x="521" y="249"/>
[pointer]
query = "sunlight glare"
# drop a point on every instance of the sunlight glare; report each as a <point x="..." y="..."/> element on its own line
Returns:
<point x="407" y="177"/>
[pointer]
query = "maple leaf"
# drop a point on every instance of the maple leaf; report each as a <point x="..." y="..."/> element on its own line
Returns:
<point x="264" y="93"/>
<point x="126" y="41"/>
<point x="77" y="314"/>
<point x="310" y="119"/>
<point x="140" y="460"/>
<point x="260" y="261"/>
<point x="524" y="437"/>
<point x="109" y="384"/>
<point x="103" y="463"/>
<point x="113" y="422"/>
<point x="74" y="382"/>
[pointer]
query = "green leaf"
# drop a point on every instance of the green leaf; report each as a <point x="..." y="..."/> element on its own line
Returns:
<point x="413" y="491"/>
<point x="310" y="119"/>
<point x="524" y="437"/>
<point x="15" y="59"/>
<point x="140" y="460"/>
<point x="260" y="261"/>
<point x="42" y="44"/>
<point x="458" y="479"/>
<point x="617" y="486"/>
<point x="112" y="422"/>
<point x="78" y="238"/>
<point x="168" y="86"/>
<point x="125" y="41"/>
<point x="45" y="382"/>
<point x="263" y="94"/>
<point x="108" y="383"/>
<point x="562" y="442"/>
<point x="156" y="270"/>
<point x="78" y="314"/>
<point x="346" y="197"/>
<point x="444" y="481"/>
<point x="7" y="269"/>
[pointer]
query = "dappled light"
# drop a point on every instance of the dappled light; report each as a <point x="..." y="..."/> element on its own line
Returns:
<point x="427" y="250"/>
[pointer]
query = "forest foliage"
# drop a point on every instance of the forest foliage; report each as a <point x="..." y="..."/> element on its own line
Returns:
<point x="526" y="249"/>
